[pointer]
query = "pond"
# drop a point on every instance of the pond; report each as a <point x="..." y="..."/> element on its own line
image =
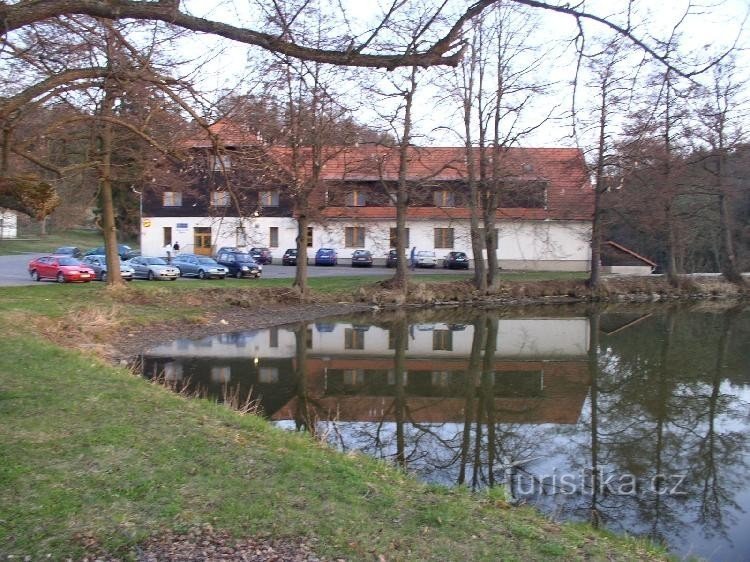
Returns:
<point x="632" y="418"/>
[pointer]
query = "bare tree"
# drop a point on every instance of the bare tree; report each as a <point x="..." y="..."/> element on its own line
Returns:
<point x="721" y="117"/>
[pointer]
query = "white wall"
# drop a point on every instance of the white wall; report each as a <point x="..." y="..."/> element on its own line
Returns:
<point x="223" y="233"/>
<point x="8" y="224"/>
<point x="519" y="241"/>
<point x="527" y="338"/>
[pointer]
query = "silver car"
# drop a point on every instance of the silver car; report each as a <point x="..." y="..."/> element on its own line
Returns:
<point x="201" y="267"/>
<point x="99" y="265"/>
<point x="152" y="268"/>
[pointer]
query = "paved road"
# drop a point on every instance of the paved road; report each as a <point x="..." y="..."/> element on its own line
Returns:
<point x="13" y="271"/>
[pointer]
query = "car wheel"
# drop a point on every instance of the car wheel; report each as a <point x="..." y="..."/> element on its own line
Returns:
<point x="150" y="275"/>
<point x="35" y="275"/>
<point x="201" y="274"/>
<point x="103" y="276"/>
<point x="238" y="275"/>
<point x="173" y="279"/>
<point x="60" y="278"/>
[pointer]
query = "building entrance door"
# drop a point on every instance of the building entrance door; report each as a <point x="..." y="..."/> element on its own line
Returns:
<point x="202" y="240"/>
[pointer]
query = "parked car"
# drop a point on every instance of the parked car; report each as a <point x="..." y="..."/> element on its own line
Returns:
<point x="124" y="251"/>
<point x="456" y="260"/>
<point x="362" y="258"/>
<point x="152" y="268"/>
<point x="228" y="249"/>
<point x="425" y="258"/>
<point x="239" y="264"/>
<point x="63" y="269"/>
<point x="326" y="256"/>
<point x="201" y="267"/>
<point x="289" y="257"/>
<point x="391" y="258"/>
<point x="261" y="255"/>
<point x="71" y="251"/>
<point x="99" y="265"/>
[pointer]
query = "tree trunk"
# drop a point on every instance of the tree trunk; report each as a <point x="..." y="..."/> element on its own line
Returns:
<point x="105" y="176"/>
<point x="300" y="273"/>
<point x="401" y="277"/>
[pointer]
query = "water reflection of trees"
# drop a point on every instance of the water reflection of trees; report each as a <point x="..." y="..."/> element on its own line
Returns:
<point x="659" y="403"/>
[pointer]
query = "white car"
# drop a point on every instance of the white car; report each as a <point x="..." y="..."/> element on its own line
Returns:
<point x="425" y="258"/>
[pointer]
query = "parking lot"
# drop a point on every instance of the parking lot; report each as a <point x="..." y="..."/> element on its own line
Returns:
<point x="13" y="271"/>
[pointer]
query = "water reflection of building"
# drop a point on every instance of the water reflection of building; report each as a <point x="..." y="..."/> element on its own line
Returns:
<point x="538" y="373"/>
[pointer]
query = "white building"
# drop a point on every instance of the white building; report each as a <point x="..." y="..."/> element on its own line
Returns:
<point x="242" y="197"/>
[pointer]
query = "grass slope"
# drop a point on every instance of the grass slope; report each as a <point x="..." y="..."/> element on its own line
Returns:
<point x="91" y="452"/>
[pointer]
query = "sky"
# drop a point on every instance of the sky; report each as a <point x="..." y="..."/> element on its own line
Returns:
<point x="712" y="27"/>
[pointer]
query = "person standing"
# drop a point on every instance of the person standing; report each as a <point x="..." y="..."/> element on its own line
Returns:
<point x="168" y="252"/>
<point x="176" y="248"/>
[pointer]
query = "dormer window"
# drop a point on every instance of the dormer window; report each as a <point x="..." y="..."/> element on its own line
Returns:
<point x="524" y="194"/>
<point x="220" y="199"/>
<point x="172" y="199"/>
<point x="221" y="163"/>
<point x="444" y="198"/>
<point x="356" y="198"/>
<point x="269" y="198"/>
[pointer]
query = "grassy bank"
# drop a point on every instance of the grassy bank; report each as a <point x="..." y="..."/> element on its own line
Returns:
<point x="96" y="458"/>
<point x="94" y="455"/>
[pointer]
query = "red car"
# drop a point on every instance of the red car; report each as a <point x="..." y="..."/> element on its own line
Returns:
<point x="60" y="268"/>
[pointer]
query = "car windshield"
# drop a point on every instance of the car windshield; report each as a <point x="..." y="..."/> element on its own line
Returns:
<point x="360" y="252"/>
<point x="207" y="261"/>
<point x="291" y="252"/>
<point x="155" y="261"/>
<point x="69" y="261"/>
<point x="244" y="258"/>
<point x="325" y="252"/>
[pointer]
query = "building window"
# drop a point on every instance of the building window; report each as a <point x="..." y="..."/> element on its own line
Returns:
<point x="172" y="199"/>
<point x="221" y="163"/>
<point x="524" y="195"/>
<point x="440" y="378"/>
<point x="356" y="198"/>
<point x="394" y="238"/>
<point x="442" y="340"/>
<point x="353" y="377"/>
<point x="444" y="198"/>
<point x="167" y="235"/>
<point x="221" y="374"/>
<point x="220" y="199"/>
<point x="269" y="198"/>
<point x="241" y="235"/>
<point x="273" y="237"/>
<point x="354" y="236"/>
<point x="443" y="238"/>
<point x="268" y="375"/>
<point x="273" y="337"/>
<point x="309" y="236"/>
<point x="354" y="339"/>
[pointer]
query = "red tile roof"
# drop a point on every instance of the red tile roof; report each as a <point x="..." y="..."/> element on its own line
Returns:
<point x="227" y="133"/>
<point x="569" y="192"/>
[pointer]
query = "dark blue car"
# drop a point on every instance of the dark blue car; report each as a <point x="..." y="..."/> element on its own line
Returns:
<point x="239" y="264"/>
<point x="326" y="256"/>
